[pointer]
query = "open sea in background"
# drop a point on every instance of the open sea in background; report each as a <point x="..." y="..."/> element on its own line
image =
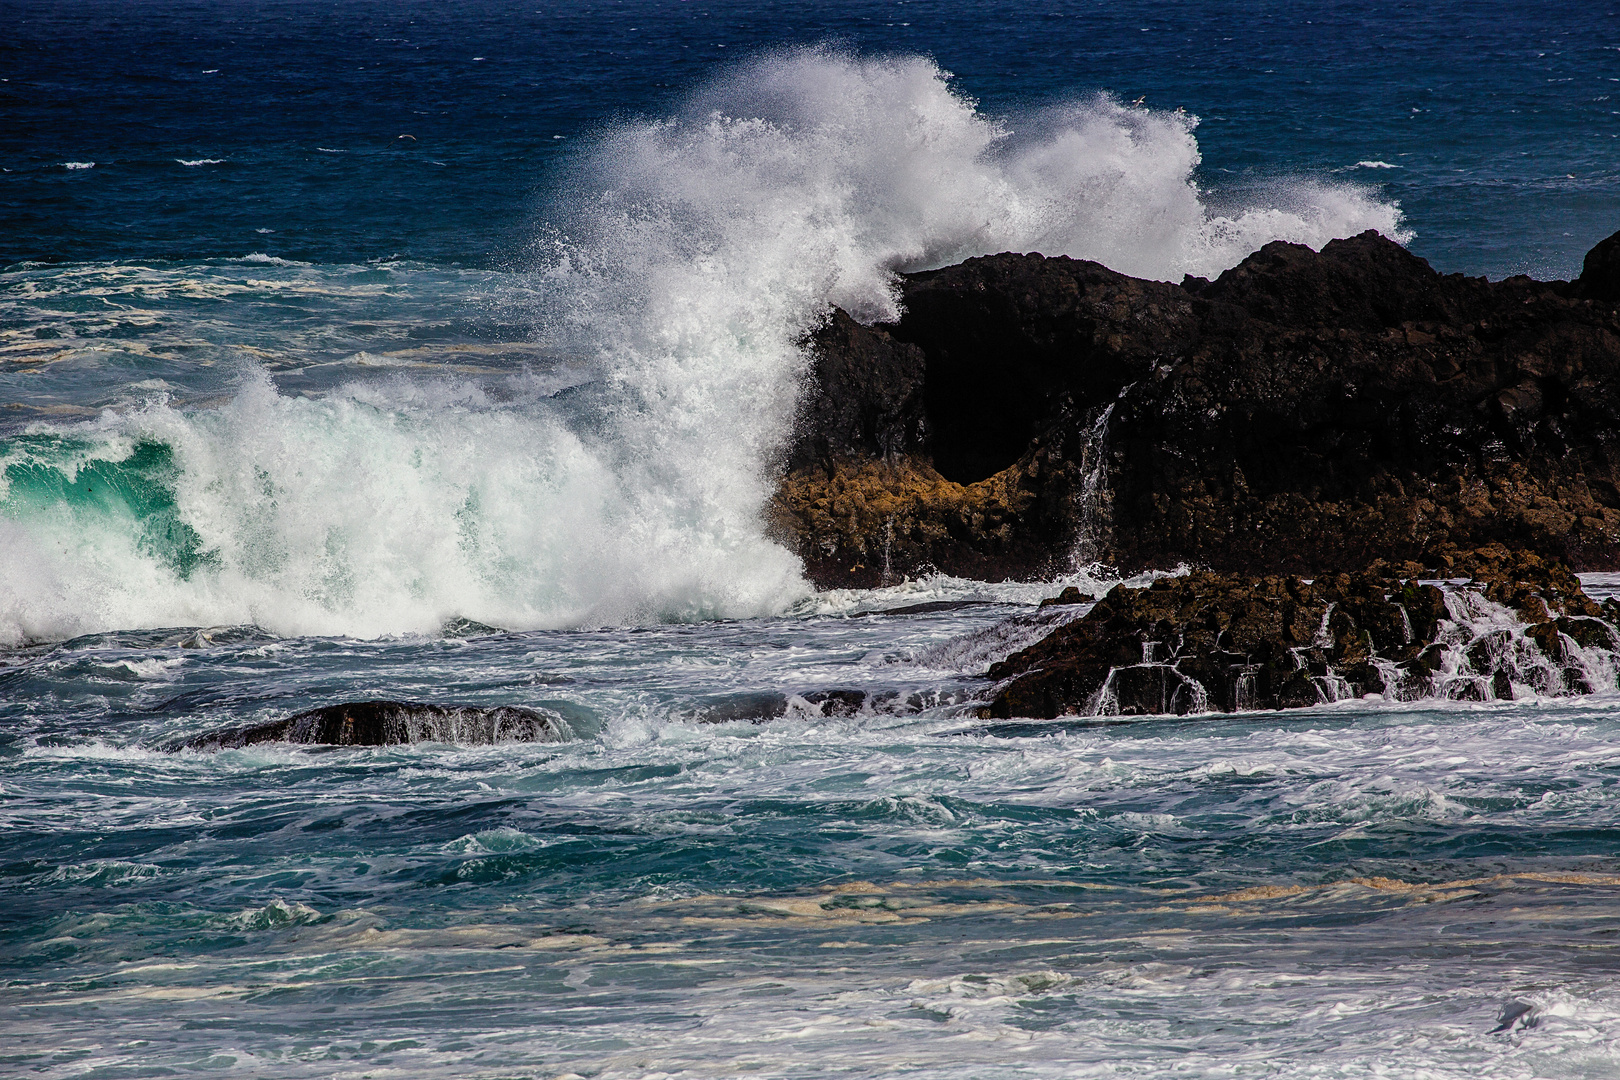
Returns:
<point x="439" y="353"/>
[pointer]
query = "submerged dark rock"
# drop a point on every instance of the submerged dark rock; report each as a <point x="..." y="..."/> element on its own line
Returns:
<point x="1069" y="595"/>
<point x="836" y="703"/>
<point x="1305" y="410"/>
<point x="390" y="723"/>
<point x="1211" y="642"/>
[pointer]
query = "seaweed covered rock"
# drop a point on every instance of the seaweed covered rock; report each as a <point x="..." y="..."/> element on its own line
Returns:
<point x="1515" y="623"/>
<point x="866" y="522"/>
<point x="390" y="723"/>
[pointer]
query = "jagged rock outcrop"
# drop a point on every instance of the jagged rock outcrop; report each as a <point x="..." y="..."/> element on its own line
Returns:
<point x="390" y="723"/>
<point x="1306" y="411"/>
<point x="1221" y="642"/>
<point x="1358" y="406"/>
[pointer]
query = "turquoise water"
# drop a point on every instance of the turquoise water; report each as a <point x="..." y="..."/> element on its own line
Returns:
<point x="294" y="411"/>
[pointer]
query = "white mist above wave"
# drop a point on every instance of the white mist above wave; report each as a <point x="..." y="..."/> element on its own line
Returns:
<point x="820" y="175"/>
<point x="690" y="256"/>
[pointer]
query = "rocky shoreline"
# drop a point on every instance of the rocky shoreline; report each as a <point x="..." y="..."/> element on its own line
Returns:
<point x="1382" y="475"/>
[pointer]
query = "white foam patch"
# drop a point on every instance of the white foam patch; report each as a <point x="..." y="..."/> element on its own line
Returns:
<point x="78" y="164"/>
<point x="380" y="510"/>
<point x="200" y="161"/>
<point x="261" y="259"/>
<point x="1093" y="580"/>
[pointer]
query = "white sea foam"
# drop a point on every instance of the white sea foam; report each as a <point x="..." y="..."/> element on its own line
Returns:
<point x="262" y="259"/>
<point x="379" y="510"/>
<point x="200" y="161"/>
<point x="78" y="164"/>
<point x="690" y="256"/>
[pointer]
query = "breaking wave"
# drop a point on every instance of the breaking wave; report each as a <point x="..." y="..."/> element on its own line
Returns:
<point x="685" y="260"/>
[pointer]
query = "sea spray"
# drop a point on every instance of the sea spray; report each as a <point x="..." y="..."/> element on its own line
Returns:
<point x="383" y="508"/>
<point x="687" y="260"/>
<point x="816" y="171"/>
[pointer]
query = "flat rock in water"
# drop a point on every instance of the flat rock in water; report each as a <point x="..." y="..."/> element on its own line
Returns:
<point x="392" y="723"/>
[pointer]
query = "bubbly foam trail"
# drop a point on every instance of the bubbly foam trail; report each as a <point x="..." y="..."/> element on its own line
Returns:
<point x="690" y="257"/>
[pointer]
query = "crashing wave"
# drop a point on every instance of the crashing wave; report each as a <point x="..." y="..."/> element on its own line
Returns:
<point x="690" y="257"/>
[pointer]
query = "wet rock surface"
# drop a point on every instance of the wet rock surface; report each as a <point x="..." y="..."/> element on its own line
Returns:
<point x="1305" y="411"/>
<point x="391" y="723"/>
<point x="1486" y="625"/>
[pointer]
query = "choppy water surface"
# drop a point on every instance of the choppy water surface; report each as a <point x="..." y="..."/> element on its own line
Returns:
<point x="1429" y="888"/>
<point x="445" y="353"/>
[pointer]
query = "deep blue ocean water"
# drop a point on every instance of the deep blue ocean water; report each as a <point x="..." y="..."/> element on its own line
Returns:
<point x="1501" y="118"/>
<point x="441" y="353"/>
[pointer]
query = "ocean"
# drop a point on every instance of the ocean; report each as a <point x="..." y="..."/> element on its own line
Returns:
<point x="447" y="353"/>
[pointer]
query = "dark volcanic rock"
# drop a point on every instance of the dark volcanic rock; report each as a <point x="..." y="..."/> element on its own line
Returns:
<point x="1218" y="642"/>
<point x="1600" y="274"/>
<point x="388" y="723"/>
<point x="1016" y="342"/>
<point x="1069" y="595"/>
<point x="864" y="396"/>
<point x="978" y="460"/>
<point x="1306" y="410"/>
<point x="1329" y="426"/>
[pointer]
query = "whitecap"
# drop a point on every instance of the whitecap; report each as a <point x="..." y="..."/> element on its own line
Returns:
<point x="78" y="164"/>
<point x="261" y="259"/>
<point x="275" y="915"/>
<point x="200" y="161"/>
<point x="1377" y="165"/>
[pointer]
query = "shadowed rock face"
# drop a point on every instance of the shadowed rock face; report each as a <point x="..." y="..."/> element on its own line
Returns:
<point x="1219" y="642"/>
<point x="1016" y="345"/>
<point x="1306" y="411"/>
<point x="390" y="723"/>
<point x="1600" y="274"/>
<point x="864" y="397"/>
<point x="982" y="440"/>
